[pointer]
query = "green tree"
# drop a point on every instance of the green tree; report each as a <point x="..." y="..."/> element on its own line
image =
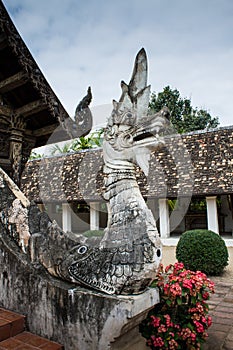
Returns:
<point x="184" y="117"/>
<point x="93" y="140"/>
<point x="83" y="142"/>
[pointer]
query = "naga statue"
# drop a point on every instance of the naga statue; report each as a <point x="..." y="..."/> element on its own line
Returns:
<point x="126" y="260"/>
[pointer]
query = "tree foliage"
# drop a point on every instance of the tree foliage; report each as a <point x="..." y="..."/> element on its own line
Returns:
<point x="35" y="155"/>
<point x="57" y="149"/>
<point x="95" y="139"/>
<point x="184" y="117"/>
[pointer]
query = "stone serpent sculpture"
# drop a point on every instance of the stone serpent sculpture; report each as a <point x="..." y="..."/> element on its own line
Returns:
<point x="128" y="256"/>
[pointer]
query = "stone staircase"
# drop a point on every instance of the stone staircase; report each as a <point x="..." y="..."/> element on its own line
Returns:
<point x="14" y="337"/>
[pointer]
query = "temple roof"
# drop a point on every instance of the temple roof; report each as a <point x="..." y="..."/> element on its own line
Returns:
<point x="23" y="86"/>
<point x="198" y="163"/>
<point x="27" y="101"/>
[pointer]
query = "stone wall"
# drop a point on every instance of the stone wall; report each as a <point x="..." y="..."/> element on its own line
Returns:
<point x="75" y="317"/>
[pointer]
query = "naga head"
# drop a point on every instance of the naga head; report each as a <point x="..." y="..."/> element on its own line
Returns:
<point x="132" y="133"/>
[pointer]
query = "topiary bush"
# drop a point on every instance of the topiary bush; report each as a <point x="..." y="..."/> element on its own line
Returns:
<point x="202" y="250"/>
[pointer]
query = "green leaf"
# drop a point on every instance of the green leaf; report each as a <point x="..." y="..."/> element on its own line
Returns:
<point x="179" y="301"/>
<point x="193" y="300"/>
<point x="190" y="326"/>
<point x="183" y="293"/>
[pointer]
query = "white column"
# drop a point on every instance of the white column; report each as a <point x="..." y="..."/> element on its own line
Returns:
<point x="164" y="218"/>
<point x="94" y="216"/>
<point x="66" y="217"/>
<point x="212" y="214"/>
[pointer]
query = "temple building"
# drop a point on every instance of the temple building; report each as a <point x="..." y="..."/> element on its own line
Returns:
<point x="189" y="186"/>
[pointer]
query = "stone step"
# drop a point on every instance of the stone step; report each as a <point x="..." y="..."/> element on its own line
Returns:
<point x="14" y="337"/>
<point x="29" y="341"/>
<point x="11" y="324"/>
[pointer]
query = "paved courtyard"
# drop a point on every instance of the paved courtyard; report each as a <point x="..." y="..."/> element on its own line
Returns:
<point x="221" y="310"/>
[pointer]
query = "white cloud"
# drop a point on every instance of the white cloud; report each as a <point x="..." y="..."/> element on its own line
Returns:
<point x="79" y="43"/>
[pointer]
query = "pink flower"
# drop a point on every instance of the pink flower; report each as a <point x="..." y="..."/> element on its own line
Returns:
<point x="183" y="313"/>
<point x="167" y="268"/>
<point x="199" y="308"/>
<point x="157" y="341"/>
<point x="162" y="329"/>
<point x="185" y="333"/>
<point x="193" y="336"/>
<point x="205" y="295"/>
<point x="155" y="321"/>
<point x="210" y="285"/>
<point x="209" y="321"/>
<point x="173" y="344"/>
<point x="173" y="278"/>
<point x="178" y="267"/>
<point x="196" y="316"/>
<point x="176" y="289"/>
<point x="187" y="284"/>
<point x="199" y="326"/>
<point x="168" y="321"/>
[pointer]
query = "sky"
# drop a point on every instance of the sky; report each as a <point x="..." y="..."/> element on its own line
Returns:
<point x="81" y="43"/>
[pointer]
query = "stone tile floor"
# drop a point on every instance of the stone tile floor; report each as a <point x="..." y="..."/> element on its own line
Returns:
<point x="221" y="310"/>
<point x="14" y="337"/>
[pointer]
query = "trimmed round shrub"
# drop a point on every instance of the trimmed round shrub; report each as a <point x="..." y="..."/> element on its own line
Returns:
<point x="202" y="250"/>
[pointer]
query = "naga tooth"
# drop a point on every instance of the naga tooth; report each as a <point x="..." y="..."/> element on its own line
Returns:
<point x="119" y="270"/>
<point x="108" y="278"/>
<point x="127" y="270"/>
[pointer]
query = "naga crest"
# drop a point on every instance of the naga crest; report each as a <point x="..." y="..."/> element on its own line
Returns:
<point x="82" y="123"/>
<point x="131" y="132"/>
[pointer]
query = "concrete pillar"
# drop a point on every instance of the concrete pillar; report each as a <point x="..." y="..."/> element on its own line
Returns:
<point x="164" y="218"/>
<point x="66" y="217"/>
<point x="212" y="214"/>
<point x="94" y="216"/>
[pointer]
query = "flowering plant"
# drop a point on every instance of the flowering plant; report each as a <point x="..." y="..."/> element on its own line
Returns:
<point x="180" y="320"/>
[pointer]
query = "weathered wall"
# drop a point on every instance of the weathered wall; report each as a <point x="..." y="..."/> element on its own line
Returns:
<point x="76" y="317"/>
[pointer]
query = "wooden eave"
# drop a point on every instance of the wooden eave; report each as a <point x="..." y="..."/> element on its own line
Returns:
<point x="24" y="90"/>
